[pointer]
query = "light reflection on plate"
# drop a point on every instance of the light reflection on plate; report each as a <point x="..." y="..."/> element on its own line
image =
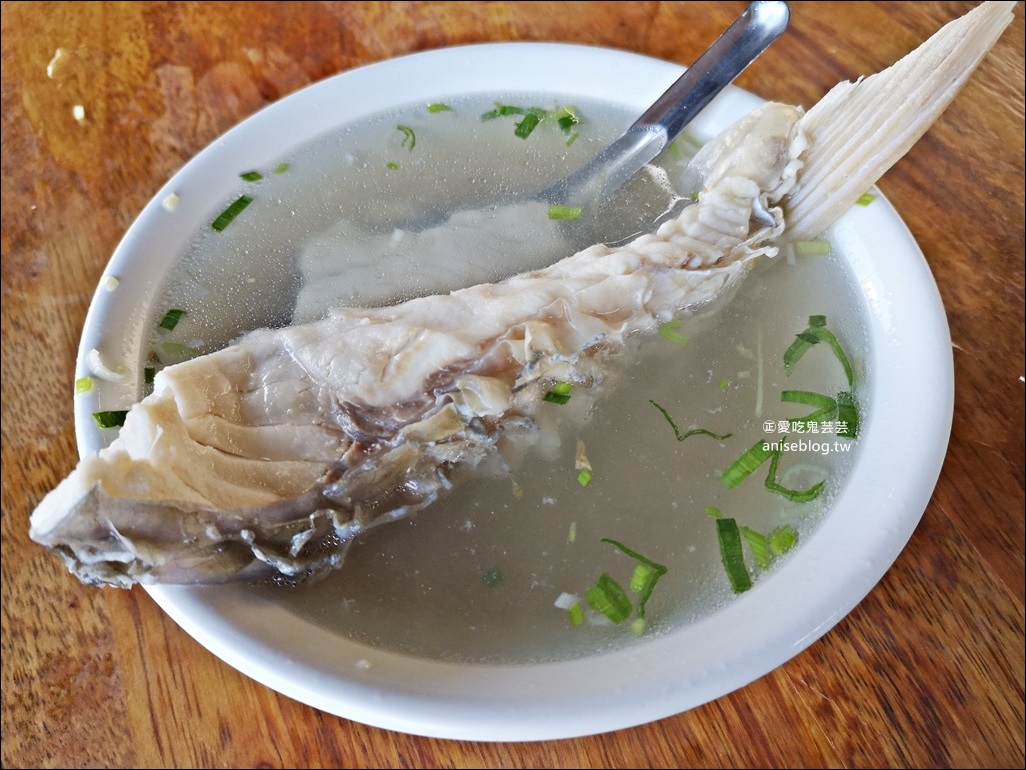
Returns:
<point x="904" y="441"/>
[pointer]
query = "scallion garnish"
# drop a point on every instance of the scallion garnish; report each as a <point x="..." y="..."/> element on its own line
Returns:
<point x="817" y="332"/>
<point x="566" y="118"/>
<point x="782" y="539"/>
<point x="110" y="419"/>
<point x="171" y="319"/>
<point x="565" y="213"/>
<point x="759" y="545"/>
<point x="651" y="575"/>
<point x="492" y="577"/>
<point x="714" y="512"/>
<point x="572" y="605"/>
<point x="251" y="176"/>
<point x="641" y="577"/>
<point x="826" y="408"/>
<point x="865" y="199"/>
<point x="392" y="165"/>
<point x="668" y="331"/>
<point x="607" y="597"/>
<point x="688" y="434"/>
<point x="526" y="125"/>
<point x="83" y="384"/>
<point x="573" y="138"/>
<point x="747" y="464"/>
<point x="581" y="463"/>
<point x="409" y="137"/>
<point x="847" y="413"/>
<point x="281" y="168"/>
<point x="576" y="613"/>
<point x="571" y="534"/>
<point x="807" y="398"/>
<point x="794" y="495"/>
<point x="733" y="557"/>
<point x="439" y="107"/>
<point x="724" y="384"/>
<point x="559" y="394"/>
<point x="226" y="217"/>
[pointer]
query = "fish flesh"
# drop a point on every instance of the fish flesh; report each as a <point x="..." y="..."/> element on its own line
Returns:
<point x="270" y="456"/>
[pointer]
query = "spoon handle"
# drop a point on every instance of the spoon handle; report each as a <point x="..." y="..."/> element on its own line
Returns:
<point x="738" y="46"/>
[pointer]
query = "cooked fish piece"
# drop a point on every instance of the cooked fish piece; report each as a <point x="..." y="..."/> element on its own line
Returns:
<point x="268" y="457"/>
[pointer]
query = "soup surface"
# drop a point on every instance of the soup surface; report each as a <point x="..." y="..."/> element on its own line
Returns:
<point x="421" y="201"/>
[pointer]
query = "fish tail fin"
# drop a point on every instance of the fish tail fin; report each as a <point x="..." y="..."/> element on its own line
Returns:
<point x="859" y="130"/>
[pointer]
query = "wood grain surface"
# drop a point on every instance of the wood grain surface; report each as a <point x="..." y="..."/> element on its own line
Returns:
<point x="926" y="671"/>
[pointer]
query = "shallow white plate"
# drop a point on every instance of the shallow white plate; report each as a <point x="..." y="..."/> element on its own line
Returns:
<point x="904" y="439"/>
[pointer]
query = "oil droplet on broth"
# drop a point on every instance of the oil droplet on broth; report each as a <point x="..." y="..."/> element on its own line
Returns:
<point x="428" y="585"/>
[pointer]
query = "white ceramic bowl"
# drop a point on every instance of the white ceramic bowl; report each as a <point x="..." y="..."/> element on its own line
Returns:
<point x="904" y="440"/>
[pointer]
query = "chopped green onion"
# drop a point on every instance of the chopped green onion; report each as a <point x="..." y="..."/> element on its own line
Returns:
<point x="251" y="176"/>
<point x="392" y="165"/>
<point x="566" y="118"/>
<point x="281" y="168"/>
<point x="576" y="613"/>
<point x="492" y="577"/>
<point x="811" y="248"/>
<point x="573" y="138"/>
<point x="607" y="597"/>
<point x="714" y="512"/>
<point x="559" y="394"/>
<point x="641" y="577"/>
<point x="827" y="336"/>
<point x="565" y="213"/>
<point x="226" y="217"/>
<point x="794" y="495"/>
<point x="733" y="558"/>
<point x="724" y="384"/>
<point x="693" y="432"/>
<point x="171" y="319"/>
<point x="581" y="462"/>
<point x="571" y="534"/>
<point x="439" y="107"/>
<point x="674" y="150"/>
<point x="83" y="384"/>
<point x="695" y="195"/>
<point x="746" y="464"/>
<point x="526" y="126"/>
<point x="847" y="412"/>
<point x="817" y="332"/>
<point x="808" y="398"/>
<point x="111" y="419"/>
<point x="826" y="407"/>
<point x="782" y="539"/>
<point x="865" y="199"/>
<point x="149" y="372"/>
<point x="656" y="571"/>
<point x="669" y="332"/>
<point x="638" y="626"/>
<point x="759" y="546"/>
<point x="798" y="349"/>
<point x="409" y="137"/>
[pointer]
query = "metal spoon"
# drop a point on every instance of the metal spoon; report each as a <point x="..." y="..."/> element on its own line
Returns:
<point x="742" y="42"/>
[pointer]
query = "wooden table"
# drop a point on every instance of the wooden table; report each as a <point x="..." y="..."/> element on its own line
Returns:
<point x="928" y="669"/>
